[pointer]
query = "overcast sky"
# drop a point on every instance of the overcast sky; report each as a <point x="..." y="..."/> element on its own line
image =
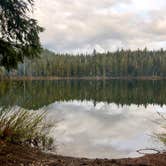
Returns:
<point x="81" y="25"/>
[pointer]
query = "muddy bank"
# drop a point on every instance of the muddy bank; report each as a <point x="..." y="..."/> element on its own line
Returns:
<point x="16" y="155"/>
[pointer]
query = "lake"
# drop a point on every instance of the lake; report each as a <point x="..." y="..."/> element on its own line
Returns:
<point x="96" y="119"/>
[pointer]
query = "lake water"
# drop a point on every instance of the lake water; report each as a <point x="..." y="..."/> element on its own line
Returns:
<point x="96" y="119"/>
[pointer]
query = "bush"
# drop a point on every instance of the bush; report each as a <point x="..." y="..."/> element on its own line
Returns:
<point x="20" y="126"/>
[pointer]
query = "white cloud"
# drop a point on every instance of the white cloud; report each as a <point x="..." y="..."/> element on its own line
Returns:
<point x="82" y="25"/>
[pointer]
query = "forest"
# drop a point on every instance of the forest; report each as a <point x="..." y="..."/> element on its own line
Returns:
<point x="121" y="63"/>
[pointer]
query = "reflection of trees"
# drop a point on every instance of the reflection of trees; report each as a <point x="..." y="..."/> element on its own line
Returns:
<point x="35" y="94"/>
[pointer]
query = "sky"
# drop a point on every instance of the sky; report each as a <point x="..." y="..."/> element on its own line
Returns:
<point x="81" y="25"/>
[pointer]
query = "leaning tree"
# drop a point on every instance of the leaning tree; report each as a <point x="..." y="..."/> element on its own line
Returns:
<point x="19" y="33"/>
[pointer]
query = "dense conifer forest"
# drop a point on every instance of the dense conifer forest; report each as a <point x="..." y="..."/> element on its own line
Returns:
<point x="121" y="63"/>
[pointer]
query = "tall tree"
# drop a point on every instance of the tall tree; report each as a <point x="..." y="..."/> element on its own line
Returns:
<point x="19" y="33"/>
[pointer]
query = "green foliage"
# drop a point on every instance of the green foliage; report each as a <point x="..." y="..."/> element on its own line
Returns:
<point x="111" y="64"/>
<point x="18" y="33"/>
<point x="19" y="126"/>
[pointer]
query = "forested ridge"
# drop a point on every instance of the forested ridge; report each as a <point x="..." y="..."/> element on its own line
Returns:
<point x="111" y="64"/>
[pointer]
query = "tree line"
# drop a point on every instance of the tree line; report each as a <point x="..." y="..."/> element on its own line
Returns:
<point x="110" y="64"/>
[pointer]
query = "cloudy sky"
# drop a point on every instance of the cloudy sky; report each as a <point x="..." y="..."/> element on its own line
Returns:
<point x="82" y="25"/>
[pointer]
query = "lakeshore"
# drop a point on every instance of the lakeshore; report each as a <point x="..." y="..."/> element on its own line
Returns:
<point x="17" y="155"/>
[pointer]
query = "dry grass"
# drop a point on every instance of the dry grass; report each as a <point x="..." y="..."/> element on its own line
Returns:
<point x="20" y="126"/>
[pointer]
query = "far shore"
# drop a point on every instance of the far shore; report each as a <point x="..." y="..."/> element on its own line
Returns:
<point x="22" y="78"/>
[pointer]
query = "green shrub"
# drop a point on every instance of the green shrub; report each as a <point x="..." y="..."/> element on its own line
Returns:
<point x="20" y="126"/>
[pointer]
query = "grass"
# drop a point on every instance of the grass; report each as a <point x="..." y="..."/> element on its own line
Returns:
<point x="20" y="126"/>
<point x="161" y="136"/>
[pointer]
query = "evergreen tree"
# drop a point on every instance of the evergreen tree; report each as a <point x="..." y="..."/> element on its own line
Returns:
<point x="18" y="32"/>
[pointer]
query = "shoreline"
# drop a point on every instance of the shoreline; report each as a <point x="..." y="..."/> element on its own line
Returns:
<point x="15" y="155"/>
<point x="26" y="78"/>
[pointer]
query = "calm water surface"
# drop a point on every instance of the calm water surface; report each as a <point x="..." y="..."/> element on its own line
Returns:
<point x="103" y="119"/>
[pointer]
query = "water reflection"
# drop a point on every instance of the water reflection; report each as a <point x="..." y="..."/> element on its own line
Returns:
<point x="36" y="94"/>
<point x="105" y="130"/>
<point x="104" y="119"/>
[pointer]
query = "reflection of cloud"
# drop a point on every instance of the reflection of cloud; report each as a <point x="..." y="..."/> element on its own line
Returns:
<point x="104" y="130"/>
<point x="108" y="24"/>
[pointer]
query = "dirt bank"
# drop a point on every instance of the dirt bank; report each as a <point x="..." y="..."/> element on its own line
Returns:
<point x="16" y="155"/>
